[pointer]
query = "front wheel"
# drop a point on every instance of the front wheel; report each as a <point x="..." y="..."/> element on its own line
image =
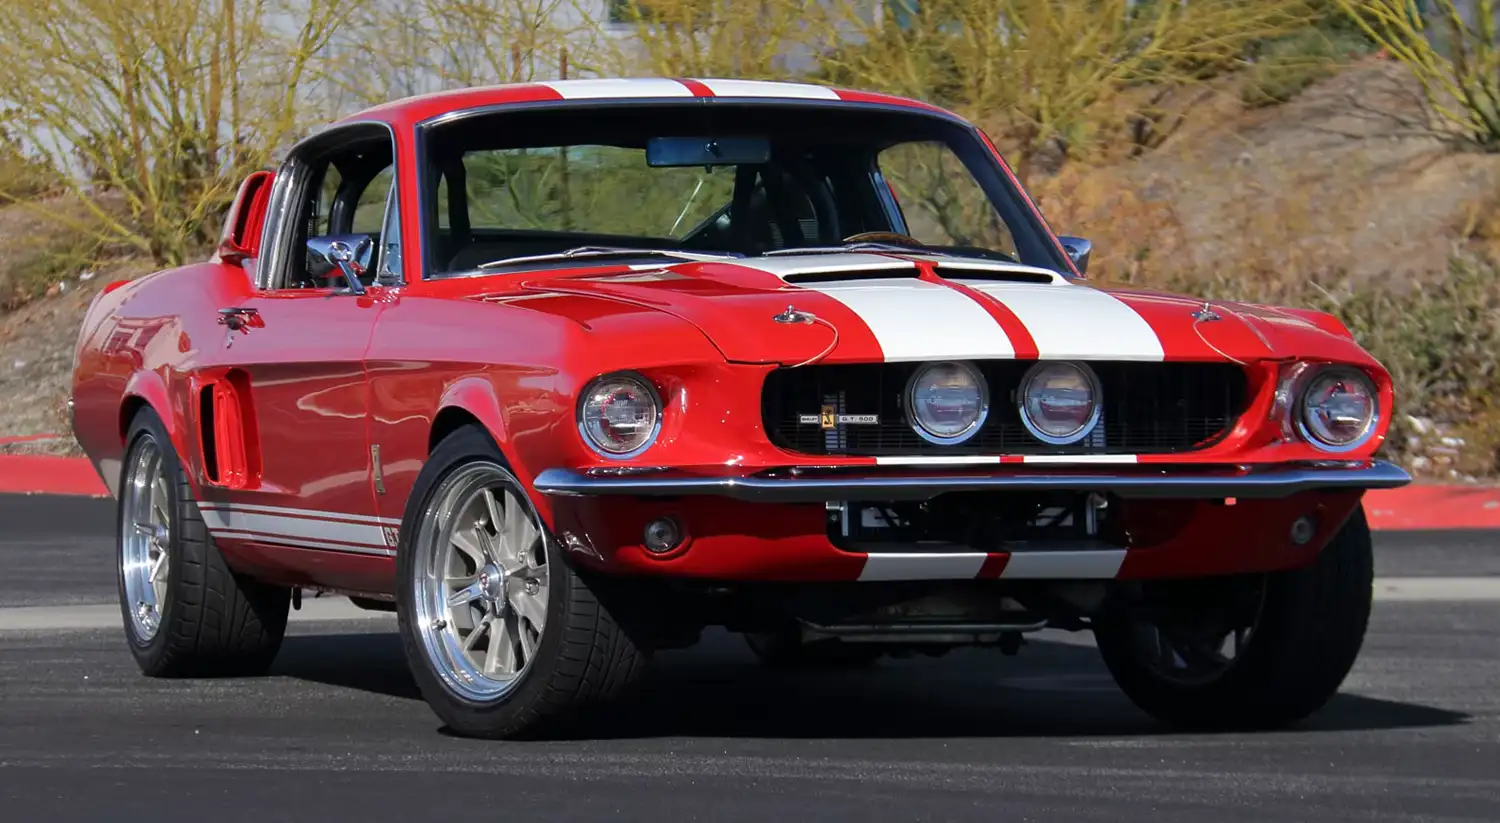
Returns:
<point x="1257" y="651"/>
<point x="500" y="632"/>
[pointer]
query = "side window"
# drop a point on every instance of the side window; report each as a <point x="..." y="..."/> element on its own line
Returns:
<point x="341" y="185"/>
<point x="942" y="203"/>
<point x="369" y="210"/>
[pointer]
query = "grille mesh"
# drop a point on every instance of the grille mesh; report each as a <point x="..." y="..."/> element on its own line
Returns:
<point x="1148" y="408"/>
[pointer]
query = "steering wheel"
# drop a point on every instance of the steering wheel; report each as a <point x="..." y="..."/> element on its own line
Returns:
<point x="884" y="237"/>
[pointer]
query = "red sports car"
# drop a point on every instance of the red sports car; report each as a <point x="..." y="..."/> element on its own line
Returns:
<point x="564" y="373"/>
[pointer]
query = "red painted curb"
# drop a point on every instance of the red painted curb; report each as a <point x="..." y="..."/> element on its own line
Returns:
<point x="49" y="474"/>
<point x="1409" y="508"/>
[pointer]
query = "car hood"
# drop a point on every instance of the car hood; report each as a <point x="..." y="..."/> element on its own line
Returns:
<point x="871" y="307"/>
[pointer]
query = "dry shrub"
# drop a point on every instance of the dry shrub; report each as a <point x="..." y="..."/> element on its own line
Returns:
<point x="1046" y="77"/>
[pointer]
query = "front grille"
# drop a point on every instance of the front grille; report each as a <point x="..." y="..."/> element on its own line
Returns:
<point x="1149" y="408"/>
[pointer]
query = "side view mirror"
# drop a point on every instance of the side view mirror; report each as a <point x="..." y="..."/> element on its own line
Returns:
<point x="1078" y="250"/>
<point x="347" y="254"/>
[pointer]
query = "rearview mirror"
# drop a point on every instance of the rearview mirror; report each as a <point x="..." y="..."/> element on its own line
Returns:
<point x="1078" y="250"/>
<point x="707" y="151"/>
<point x="346" y="254"/>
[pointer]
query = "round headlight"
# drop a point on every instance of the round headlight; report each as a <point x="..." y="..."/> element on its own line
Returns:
<point x="947" y="402"/>
<point x="619" y="415"/>
<point x="1338" y="409"/>
<point x="1059" y="402"/>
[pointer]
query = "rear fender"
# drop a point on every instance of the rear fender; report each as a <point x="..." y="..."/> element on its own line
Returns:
<point x="147" y="389"/>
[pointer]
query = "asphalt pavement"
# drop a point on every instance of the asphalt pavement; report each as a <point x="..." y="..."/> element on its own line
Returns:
<point x="338" y="732"/>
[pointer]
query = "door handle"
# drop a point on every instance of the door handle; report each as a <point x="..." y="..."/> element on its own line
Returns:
<point x="239" y="317"/>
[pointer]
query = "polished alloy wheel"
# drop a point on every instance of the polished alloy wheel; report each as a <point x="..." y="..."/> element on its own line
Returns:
<point x="147" y="527"/>
<point x="481" y="579"/>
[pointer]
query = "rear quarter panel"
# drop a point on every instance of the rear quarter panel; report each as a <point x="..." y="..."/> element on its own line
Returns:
<point x="136" y="344"/>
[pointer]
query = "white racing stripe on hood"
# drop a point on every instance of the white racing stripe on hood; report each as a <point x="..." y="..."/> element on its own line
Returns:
<point x="1077" y="322"/>
<point x="916" y="320"/>
<point x="911" y="319"/>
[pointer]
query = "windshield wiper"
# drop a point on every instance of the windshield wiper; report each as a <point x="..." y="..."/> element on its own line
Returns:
<point x="595" y="252"/>
<point x="846" y="247"/>
<point x="895" y="248"/>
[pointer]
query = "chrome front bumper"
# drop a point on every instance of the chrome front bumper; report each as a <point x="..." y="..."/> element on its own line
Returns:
<point x="816" y="486"/>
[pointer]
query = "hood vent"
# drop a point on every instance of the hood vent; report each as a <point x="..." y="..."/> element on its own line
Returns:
<point x="841" y="276"/>
<point x="998" y="273"/>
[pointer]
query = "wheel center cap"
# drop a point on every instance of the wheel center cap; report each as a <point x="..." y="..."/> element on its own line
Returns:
<point x="492" y="583"/>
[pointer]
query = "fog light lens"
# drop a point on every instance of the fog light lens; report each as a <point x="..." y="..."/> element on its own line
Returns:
<point x="1303" y="530"/>
<point x="1060" y="402"/>
<point x="663" y="535"/>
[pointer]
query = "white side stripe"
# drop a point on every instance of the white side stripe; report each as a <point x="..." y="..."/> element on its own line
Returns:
<point x="296" y="527"/>
<point x="916" y="320"/>
<point x="758" y="88"/>
<point x="619" y="87"/>
<point x="1089" y="564"/>
<point x="277" y="510"/>
<point x="304" y="544"/>
<point x="923" y="566"/>
<point x="1077" y="322"/>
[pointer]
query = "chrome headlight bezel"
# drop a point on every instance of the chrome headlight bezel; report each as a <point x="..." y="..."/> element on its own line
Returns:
<point x="1096" y="410"/>
<point x="913" y="419"/>
<point x="1310" y="379"/>
<point x="634" y="380"/>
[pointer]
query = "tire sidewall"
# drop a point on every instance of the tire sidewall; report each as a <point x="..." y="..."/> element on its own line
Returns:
<point x="146" y="426"/>
<point x="1277" y="667"/>
<point x="465" y="447"/>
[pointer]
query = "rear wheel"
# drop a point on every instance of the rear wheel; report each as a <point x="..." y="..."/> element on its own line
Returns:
<point x="186" y="613"/>
<point x="502" y="635"/>
<point x="1255" y="651"/>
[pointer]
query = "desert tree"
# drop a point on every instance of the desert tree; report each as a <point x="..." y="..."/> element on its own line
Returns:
<point x="166" y="104"/>
<point x="1452" y="48"/>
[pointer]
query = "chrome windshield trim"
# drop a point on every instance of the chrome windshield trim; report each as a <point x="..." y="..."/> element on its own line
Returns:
<point x="1270" y="482"/>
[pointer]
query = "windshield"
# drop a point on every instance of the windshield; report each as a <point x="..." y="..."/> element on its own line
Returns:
<point x="524" y="185"/>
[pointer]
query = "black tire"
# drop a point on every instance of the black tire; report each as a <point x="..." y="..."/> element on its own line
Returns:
<point x="212" y="621"/>
<point x="585" y="655"/>
<point x="785" y="650"/>
<point x="1309" y="632"/>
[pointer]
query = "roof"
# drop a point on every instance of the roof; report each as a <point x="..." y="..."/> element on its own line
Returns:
<point x="412" y="110"/>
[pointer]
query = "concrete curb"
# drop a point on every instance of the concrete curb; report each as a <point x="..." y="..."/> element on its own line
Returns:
<point x="1416" y="507"/>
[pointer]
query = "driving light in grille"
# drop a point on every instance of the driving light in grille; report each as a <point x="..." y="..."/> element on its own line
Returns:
<point x="946" y="403"/>
<point x="1338" y="409"/>
<point x="1059" y="402"/>
<point x="619" y="415"/>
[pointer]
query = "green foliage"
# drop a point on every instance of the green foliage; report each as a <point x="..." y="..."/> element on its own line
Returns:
<point x="1286" y="65"/>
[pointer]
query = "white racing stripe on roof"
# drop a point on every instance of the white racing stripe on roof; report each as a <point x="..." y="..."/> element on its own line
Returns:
<point x="618" y="87"/>
<point x="1078" y="322"/>
<point x="760" y="88"/>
